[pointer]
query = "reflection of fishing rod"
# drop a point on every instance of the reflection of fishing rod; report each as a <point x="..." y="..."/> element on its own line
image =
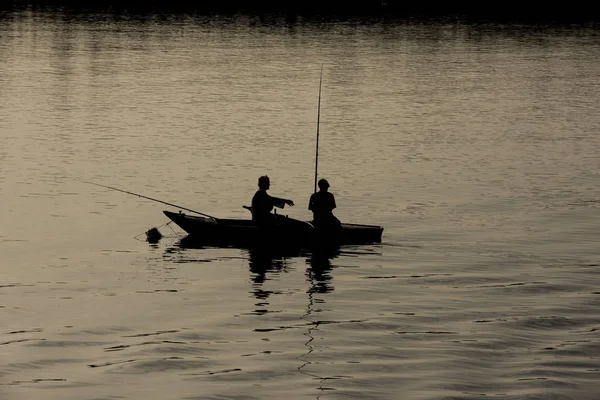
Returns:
<point x="149" y="198"/>
<point x="309" y="333"/>
<point x="317" y="275"/>
<point x="318" y="120"/>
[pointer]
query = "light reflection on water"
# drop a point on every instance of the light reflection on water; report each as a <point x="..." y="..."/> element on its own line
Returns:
<point x="475" y="146"/>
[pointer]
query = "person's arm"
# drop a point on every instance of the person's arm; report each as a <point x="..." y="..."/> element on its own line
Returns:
<point x="311" y="201"/>
<point x="279" y="202"/>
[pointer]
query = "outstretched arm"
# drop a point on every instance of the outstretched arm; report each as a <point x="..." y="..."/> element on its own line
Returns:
<point x="279" y="202"/>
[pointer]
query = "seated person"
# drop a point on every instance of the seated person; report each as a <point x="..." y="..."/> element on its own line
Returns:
<point x="263" y="203"/>
<point x="322" y="203"/>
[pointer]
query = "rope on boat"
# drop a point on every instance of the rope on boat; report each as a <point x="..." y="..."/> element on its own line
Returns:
<point x="154" y="235"/>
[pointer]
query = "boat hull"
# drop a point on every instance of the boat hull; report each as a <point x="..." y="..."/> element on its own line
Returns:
<point x="284" y="232"/>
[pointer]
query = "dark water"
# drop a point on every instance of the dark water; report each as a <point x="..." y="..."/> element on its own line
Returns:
<point x="475" y="146"/>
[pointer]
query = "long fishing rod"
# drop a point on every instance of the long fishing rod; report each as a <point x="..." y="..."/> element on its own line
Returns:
<point x="149" y="198"/>
<point x="318" y="120"/>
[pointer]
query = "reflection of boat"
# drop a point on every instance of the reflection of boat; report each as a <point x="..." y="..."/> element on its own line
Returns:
<point x="267" y="260"/>
<point x="285" y="231"/>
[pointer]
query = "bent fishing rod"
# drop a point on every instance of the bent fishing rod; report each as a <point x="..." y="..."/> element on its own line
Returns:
<point x="148" y="198"/>
<point x="318" y="120"/>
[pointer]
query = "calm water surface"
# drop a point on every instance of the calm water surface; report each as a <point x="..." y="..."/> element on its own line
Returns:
<point x="475" y="146"/>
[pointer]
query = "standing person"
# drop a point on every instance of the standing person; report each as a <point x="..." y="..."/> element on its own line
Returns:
<point x="322" y="203"/>
<point x="263" y="203"/>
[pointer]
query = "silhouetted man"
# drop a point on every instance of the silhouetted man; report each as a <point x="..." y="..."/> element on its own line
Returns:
<point x="322" y="204"/>
<point x="263" y="203"/>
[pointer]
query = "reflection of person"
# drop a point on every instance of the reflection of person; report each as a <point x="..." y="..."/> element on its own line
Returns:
<point x="263" y="203"/>
<point x="322" y="203"/>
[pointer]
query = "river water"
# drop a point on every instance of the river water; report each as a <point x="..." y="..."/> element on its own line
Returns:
<point x="474" y="145"/>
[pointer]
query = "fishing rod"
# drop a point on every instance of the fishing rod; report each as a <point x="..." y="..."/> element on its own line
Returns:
<point x="318" y="120"/>
<point x="149" y="198"/>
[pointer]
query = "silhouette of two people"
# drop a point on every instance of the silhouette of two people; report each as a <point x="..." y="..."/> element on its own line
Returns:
<point x="321" y="203"/>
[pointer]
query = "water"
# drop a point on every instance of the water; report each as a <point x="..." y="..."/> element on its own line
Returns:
<point x="475" y="146"/>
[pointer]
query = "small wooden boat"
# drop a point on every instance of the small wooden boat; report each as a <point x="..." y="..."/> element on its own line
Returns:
<point x="284" y="232"/>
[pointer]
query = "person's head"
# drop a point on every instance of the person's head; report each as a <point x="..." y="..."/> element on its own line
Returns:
<point x="264" y="183"/>
<point x="323" y="184"/>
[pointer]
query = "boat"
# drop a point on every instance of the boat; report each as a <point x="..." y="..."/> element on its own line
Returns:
<point x="206" y="230"/>
<point x="284" y="232"/>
